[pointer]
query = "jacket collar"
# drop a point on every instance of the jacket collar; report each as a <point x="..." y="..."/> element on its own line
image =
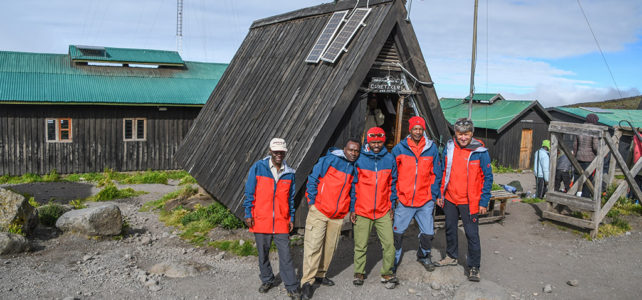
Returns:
<point x="427" y="146"/>
<point x="286" y="168"/>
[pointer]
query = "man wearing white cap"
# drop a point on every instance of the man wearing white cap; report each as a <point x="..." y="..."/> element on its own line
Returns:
<point x="269" y="213"/>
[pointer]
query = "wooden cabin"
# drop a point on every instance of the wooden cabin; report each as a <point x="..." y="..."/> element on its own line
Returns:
<point x="502" y="125"/>
<point x="98" y="107"/>
<point x="307" y="76"/>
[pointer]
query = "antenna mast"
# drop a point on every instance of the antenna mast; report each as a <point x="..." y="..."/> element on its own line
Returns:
<point x="179" y="26"/>
<point x="472" y="66"/>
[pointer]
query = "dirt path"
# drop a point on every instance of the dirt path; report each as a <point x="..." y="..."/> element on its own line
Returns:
<point x="522" y="255"/>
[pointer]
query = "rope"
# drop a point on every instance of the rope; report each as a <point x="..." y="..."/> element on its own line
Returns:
<point x="600" y="48"/>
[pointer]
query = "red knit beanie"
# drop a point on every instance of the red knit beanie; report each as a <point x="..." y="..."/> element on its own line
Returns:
<point x="375" y="134"/>
<point x="416" y="120"/>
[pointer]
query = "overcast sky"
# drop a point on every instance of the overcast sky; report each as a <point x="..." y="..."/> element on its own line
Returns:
<point x="540" y="50"/>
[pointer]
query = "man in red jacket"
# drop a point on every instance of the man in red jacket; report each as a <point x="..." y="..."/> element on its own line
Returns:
<point x="373" y="200"/>
<point x="328" y="194"/>
<point x="468" y="179"/>
<point x="269" y="213"/>
<point x="418" y="181"/>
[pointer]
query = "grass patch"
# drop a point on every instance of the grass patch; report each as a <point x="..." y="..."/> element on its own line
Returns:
<point x="159" y="177"/>
<point x="496" y="187"/>
<point x="49" y="214"/>
<point x="183" y="193"/>
<point x="501" y="169"/>
<point x="110" y="192"/>
<point x="196" y="223"/>
<point x="14" y="228"/>
<point x="532" y="200"/>
<point x="103" y="178"/>
<point x="580" y="215"/>
<point x="53" y="176"/>
<point x="78" y="204"/>
<point x="235" y="247"/>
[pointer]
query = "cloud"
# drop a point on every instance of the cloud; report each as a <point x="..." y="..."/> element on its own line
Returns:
<point x="552" y="94"/>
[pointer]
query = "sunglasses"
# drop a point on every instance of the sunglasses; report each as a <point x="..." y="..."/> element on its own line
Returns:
<point x="379" y="135"/>
<point x="464" y="122"/>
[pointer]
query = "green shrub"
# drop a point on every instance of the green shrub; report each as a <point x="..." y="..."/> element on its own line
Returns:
<point x="187" y="179"/>
<point x="14" y="228"/>
<point x="49" y="214"/>
<point x="32" y="201"/>
<point x="216" y="215"/>
<point x="501" y="169"/>
<point x="78" y="203"/>
<point x="146" y="177"/>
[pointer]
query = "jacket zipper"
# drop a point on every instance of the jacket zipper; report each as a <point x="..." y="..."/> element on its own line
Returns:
<point x="414" y="188"/>
<point x="374" y="211"/>
<point x="345" y="179"/>
<point x="273" y="217"/>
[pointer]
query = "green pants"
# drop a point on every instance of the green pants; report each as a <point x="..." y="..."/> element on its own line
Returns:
<point x="362" y="229"/>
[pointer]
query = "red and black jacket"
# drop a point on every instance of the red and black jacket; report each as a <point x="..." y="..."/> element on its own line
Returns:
<point x="269" y="202"/>
<point x="419" y="178"/>
<point x="329" y="184"/>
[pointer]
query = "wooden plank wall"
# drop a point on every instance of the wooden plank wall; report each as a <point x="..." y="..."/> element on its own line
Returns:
<point x="97" y="139"/>
<point x="502" y="147"/>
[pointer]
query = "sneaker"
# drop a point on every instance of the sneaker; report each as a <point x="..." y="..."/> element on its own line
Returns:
<point x="390" y="281"/>
<point x="473" y="274"/>
<point x="446" y="261"/>
<point x="358" y="279"/>
<point x="306" y="291"/>
<point x="265" y="287"/>
<point x="295" y="295"/>
<point x="324" y="281"/>
<point x="427" y="263"/>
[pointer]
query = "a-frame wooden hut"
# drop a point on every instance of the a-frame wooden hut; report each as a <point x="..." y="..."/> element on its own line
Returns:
<point x="269" y="90"/>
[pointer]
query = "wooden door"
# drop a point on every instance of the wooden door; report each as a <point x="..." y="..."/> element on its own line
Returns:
<point x="526" y="148"/>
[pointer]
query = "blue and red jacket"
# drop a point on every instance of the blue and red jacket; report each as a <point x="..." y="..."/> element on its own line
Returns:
<point x="269" y="202"/>
<point x="374" y="190"/>
<point x="478" y="170"/>
<point x="419" y="178"/>
<point x="329" y="184"/>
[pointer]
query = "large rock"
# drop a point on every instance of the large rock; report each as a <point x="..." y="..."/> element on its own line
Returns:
<point x="15" y="209"/>
<point x="12" y="243"/>
<point x="481" y="290"/>
<point x="101" y="220"/>
<point x="176" y="269"/>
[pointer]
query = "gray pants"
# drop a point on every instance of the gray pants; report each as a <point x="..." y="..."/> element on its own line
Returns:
<point x="286" y="268"/>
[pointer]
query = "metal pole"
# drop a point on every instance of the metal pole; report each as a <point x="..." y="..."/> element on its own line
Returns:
<point x="472" y="65"/>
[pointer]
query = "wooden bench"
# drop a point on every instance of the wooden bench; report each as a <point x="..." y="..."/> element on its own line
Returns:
<point x="494" y="213"/>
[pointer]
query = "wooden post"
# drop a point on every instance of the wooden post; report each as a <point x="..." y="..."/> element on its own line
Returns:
<point x="616" y="139"/>
<point x="399" y="120"/>
<point x="552" y="167"/>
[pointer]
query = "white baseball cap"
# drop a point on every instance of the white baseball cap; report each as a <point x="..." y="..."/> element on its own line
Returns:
<point x="278" y="144"/>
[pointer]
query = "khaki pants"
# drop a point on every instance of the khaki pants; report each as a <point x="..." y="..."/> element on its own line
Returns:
<point x="321" y="239"/>
<point x="362" y="229"/>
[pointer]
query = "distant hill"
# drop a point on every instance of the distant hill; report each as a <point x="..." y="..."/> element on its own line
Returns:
<point x="622" y="103"/>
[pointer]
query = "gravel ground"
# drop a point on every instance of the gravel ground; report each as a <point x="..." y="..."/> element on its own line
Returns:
<point x="522" y="255"/>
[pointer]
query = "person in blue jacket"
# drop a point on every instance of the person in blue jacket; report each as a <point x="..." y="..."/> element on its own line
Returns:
<point x="541" y="169"/>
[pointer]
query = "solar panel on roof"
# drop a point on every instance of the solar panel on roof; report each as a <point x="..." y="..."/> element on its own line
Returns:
<point x="345" y="35"/>
<point x="597" y="110"/>
<point x="326" y="36"/>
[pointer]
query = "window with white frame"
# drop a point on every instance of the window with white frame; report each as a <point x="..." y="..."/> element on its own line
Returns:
<point x="135" y="129"/>
<point x="58" y="129"/>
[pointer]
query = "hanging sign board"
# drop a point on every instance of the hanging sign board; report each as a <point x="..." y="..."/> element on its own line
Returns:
<point x="385" y="85"/>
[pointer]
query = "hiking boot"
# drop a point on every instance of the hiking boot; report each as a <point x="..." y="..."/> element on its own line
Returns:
<point x="295" y="295"/>
<point x="358" y="279"/>
<point x="324" y="281"/>
<point x="473" y="274"/>
<point x="390" y="281"/>
<point x="427" y="263"/>
<point x="446" y="261"/>
<point x="265" y="287"/>
<point x="306" y="291"/>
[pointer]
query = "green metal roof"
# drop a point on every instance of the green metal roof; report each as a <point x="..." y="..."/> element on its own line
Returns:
<point x="491" y="116"/>
<point x="53" y="78"/>
<point x="612" y="118"/>
<point x="484" y="96"/>
<point x="141" y="56"/>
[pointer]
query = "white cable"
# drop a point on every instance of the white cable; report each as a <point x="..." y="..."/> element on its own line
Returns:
<point x="413" y="76"/>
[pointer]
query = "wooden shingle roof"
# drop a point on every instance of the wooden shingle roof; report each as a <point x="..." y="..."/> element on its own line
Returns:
<point x="269" y="91"/>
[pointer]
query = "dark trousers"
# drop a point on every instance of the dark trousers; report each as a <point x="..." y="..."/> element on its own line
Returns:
<point x="586" y="192"/>
<point x="286" y="267"/>
<point x="471" y="228"/>
<point x="562" y="177"/>
<point x="542" y="187"/>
